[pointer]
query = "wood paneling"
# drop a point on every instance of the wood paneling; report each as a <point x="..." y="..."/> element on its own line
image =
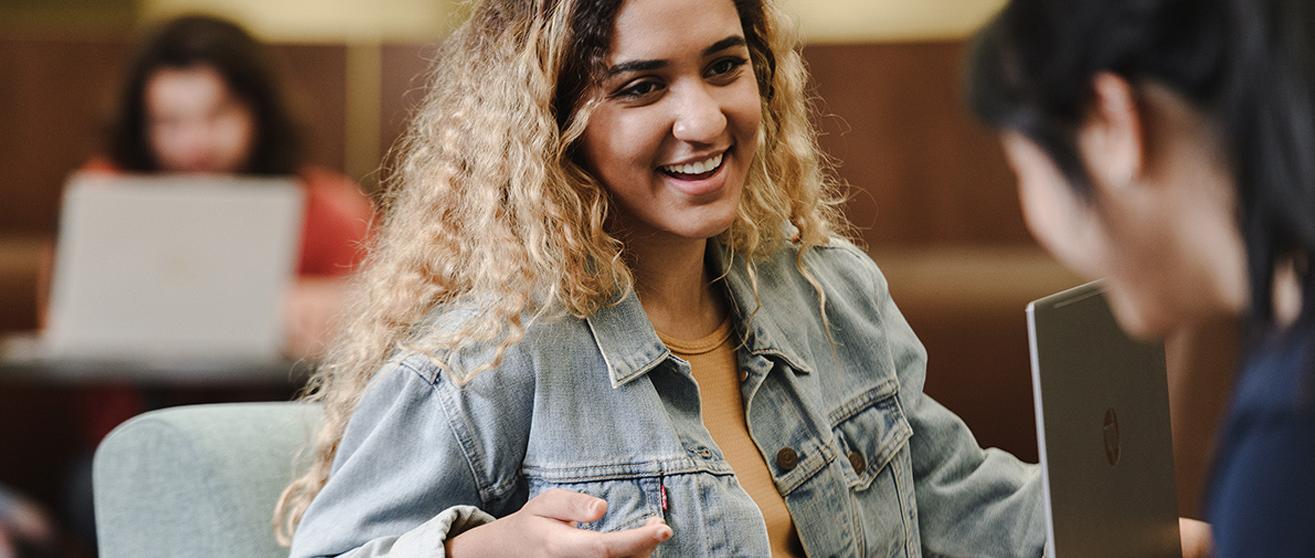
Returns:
<point x="404" y="75"/>
<point x="51" y="106"/>
<point x="921" y="170"/>
<point x="315" y="83"/>
<point x="57" y="94"/>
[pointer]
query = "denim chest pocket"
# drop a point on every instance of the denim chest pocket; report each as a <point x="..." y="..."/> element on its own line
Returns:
<point x="630" y="501"/>
<point x="870" y="431"/>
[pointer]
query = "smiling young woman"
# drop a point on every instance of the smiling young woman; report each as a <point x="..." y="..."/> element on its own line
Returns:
<point x="609" y="314"/>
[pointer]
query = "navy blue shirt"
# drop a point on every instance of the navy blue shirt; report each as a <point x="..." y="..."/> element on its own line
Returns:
<point x="1262" y="497"/>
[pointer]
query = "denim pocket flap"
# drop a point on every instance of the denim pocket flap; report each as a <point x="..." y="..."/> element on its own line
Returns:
<point x="870" y="430"/>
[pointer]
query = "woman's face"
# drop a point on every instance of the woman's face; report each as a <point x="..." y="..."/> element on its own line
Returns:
<point x="195" y="124"/>
<point x="677" y="124"/>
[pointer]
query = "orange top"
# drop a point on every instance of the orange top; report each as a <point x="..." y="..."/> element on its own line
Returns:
<point x="712" y="361"/>
<point x="337" y="219"/>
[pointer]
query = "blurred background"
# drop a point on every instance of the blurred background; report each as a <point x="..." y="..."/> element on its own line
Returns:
<point x="929" y="192"/>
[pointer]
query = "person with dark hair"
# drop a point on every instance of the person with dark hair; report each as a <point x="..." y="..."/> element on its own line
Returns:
<point x="1169" y="146"/>
<point x="200" y="97"/>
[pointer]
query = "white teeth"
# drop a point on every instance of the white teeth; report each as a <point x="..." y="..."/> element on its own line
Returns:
<point x="699" y="167"/>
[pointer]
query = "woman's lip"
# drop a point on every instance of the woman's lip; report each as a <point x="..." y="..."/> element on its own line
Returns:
<point x="703" y="185"/>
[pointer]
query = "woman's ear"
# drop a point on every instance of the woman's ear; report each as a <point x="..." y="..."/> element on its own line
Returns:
<point x="1112" y="136"/>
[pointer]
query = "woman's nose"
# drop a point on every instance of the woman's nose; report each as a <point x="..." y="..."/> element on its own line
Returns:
<point x="699" y="117"/>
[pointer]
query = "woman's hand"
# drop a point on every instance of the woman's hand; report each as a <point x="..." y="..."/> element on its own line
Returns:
<point x="547" y="527"/>
<point x="1196" y="538"/>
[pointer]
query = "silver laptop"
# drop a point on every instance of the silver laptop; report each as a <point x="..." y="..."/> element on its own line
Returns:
<point x="1102" y="417"/>
<point x="173" y="268"/>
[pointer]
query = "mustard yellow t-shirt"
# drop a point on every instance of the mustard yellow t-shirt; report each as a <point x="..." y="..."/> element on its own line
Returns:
<point x="712" y="361"/>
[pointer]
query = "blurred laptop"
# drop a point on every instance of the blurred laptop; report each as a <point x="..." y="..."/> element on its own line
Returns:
<point x="172" y="268"/>
<point x="1103" y="433"/>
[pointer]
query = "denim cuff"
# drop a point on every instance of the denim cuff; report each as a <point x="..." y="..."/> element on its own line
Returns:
<point x="452" y="522"/>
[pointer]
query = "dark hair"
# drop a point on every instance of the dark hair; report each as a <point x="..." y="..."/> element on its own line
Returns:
<point x="197" y="40"/>
<point x="1248" y="66"/>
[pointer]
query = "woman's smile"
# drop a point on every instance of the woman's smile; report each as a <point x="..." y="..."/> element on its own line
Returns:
<point x="698" y="175"/>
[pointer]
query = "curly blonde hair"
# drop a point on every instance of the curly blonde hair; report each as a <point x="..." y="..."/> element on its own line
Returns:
<point x="489" y="211"/>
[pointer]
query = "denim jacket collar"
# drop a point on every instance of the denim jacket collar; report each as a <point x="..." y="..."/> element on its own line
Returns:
<point x="627" y="340"/>
<point x="631" y="347"/>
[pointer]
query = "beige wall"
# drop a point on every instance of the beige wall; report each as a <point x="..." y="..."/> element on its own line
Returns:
<point x="821" y="21"/>
<point x="862" y="21"/>
<point x="321" y="20"/>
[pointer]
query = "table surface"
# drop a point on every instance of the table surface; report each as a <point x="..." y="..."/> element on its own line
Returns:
<point x="23" y="359"/>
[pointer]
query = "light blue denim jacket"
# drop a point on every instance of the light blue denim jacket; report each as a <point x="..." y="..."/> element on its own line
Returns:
<point x="868" y="465"/>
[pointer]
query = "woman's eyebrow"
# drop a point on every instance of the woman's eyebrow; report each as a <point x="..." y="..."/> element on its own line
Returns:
<point x="636" y="66"/>
<point x="650" y="65"/>
<point x="728" y="42"/>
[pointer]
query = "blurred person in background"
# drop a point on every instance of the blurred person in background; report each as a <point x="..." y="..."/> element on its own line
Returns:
<point x="200" y="98"/>
<point x="1169" y="146"/>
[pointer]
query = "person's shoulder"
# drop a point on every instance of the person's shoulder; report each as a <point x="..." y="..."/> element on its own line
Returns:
<point x="334" y="189"/>
<point x="837" y="259"/>
<point x="100" y="164"/>
<point x="548" y="332"/>
<point x="327" y="181"/>
<point x="1277" y="381"/>
<point x="415" y="373"/>
<point x="842" y="253"/>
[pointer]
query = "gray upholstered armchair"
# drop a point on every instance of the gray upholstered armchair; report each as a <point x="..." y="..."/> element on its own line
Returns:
<point x="199" y="481"/>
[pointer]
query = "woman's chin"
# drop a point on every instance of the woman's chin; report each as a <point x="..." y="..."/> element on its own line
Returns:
<point x="704" y="230"/>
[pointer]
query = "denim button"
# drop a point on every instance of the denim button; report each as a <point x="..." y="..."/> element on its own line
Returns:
<point x="705" y="453"/>
<point x="857" y="462"/>
<point x="744" y="375"/>
<point x="787" y="459"/>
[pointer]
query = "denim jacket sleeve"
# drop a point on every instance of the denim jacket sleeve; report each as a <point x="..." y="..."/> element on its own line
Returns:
<point x="401" y="482"/>
<point x="971" y="501"/>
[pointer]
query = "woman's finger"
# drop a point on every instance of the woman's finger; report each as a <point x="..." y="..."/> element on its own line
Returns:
<point x="640" y="541"/>
<point x="565" y="505"/>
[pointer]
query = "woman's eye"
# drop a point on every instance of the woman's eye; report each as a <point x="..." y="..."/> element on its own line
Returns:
<point x="637" y="90"/>
<point x="725" y="66"/>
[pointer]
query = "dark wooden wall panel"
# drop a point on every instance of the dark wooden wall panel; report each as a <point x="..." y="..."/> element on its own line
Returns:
<point x="404" y="79"/>
<point x="315" y="84"/>
<point x="921" y="170"/>
<point x="56" y="95"/>
<point x="52" y="100"/>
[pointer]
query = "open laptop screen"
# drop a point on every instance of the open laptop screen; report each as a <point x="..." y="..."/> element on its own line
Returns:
<point x="173" y="267"/>
<point x="1103" y="431"/>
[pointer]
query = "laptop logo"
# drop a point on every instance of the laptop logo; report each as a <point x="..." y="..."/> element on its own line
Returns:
<point x="1112" y="436"/>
